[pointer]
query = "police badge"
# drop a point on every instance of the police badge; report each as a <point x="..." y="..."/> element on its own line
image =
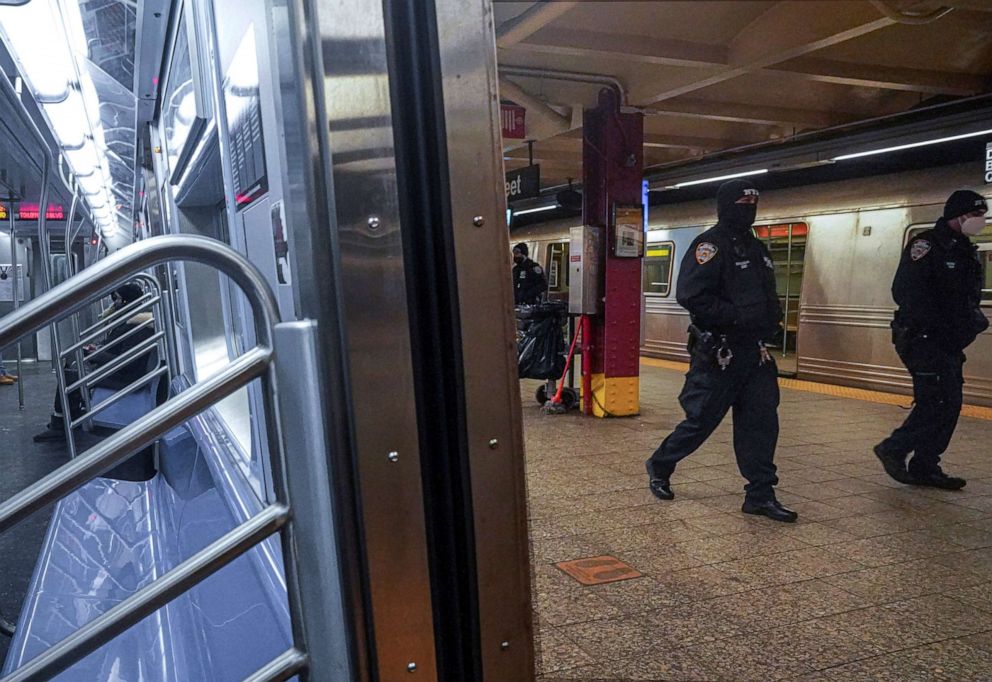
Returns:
<point x="705" y="252"/>
<point x="920" y="248"/>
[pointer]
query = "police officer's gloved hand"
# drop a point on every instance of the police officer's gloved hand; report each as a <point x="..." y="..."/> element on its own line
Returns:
<point x="979" y="321"/>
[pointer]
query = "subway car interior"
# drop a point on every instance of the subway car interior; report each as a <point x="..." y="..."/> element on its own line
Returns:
<point x="274" y="406"/>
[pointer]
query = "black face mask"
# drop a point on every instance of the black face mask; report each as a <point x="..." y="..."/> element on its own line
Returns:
<point x="740" y="216"/>
<point x="518" y="259"/>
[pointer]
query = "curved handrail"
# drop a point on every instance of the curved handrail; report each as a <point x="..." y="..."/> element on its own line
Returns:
<point x="256" y="363"/>
<point x="96" y="280"/>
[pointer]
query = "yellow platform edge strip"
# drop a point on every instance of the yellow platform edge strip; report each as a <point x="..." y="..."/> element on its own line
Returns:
<point x="865" y="395"/>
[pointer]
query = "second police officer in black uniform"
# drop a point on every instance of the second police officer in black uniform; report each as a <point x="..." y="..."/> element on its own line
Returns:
<point x="727" y="283"/>
<point x="529" y="283"/>
<point x="938" y="288"/>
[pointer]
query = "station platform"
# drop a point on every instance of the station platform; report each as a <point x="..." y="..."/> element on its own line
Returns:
<point x="877" y="581"/>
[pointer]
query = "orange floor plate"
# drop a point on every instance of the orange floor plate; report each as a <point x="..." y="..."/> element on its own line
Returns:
<point x="598" y="570"/>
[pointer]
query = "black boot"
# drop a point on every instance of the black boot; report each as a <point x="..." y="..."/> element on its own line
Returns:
<point x="661" y="486"/>
<point x="894" y="465"/>
<point x="772" y="508"/>
<point x="937" y="479"/>
<point x="54" y="433"/>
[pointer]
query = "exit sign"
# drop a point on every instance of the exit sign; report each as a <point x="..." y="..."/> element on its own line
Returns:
<point x="512" y="122"/>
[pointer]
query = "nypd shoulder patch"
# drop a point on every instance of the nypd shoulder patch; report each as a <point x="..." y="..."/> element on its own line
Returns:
<point x="705" y="252"/>
<point x="538" y="270"/>
<point x="919" y="248"/>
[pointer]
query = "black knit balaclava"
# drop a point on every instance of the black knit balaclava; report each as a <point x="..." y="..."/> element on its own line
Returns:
<point x="731" y="214"/>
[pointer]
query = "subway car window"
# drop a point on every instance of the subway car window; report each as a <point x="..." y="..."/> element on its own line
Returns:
<point x="984" y="242"/>
<point x="657" y="269"/>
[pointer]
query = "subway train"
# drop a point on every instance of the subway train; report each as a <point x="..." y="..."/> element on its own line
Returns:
<point x="836" y="246"/>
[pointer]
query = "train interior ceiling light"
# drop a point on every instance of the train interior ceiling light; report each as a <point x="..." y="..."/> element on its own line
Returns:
<point x="57" y="75"/>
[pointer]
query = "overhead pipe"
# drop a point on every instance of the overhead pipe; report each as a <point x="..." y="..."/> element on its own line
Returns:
<point x="612" y="82"/>
<point x="910" y="18"/>
<point x="533" y="19"/>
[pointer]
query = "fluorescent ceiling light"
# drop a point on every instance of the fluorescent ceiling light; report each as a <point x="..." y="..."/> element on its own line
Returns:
<point x="535" y="210"/>
<point x="68" y="119"/>
<point x="84" y="160"/>
<point x="720" y="177"/>
<point x="911" y="145"/>
<point x="31" y="32"/>
<point x="90" y="184"/>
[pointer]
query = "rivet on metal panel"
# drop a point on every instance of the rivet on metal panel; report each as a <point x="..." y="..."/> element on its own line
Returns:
<point x="394" y="456"/>
<point x="478" y="221"/>
<point x="374" y="222"/>
<point x="504" y="645"/>
<point x="493" y="443"/>
<point x="411" y="667"/>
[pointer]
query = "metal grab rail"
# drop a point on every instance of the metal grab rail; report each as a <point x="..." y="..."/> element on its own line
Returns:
<point x="104" y="404"/>
<point x="99" y="330"/>
<point x="117" y="363"/>
<point x="72" y="295"/>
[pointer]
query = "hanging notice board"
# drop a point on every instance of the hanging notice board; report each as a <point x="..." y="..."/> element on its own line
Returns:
<point x="7" y="282"/>
<point x="244" y="123"/>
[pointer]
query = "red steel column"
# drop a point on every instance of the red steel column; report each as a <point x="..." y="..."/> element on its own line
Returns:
<point x="612" y="171"/>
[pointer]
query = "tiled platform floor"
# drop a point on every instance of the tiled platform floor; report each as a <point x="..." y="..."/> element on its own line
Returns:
<point x="877" y="581"/>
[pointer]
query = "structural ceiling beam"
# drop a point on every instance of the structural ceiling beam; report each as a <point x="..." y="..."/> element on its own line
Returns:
<point x="534" y="18"/>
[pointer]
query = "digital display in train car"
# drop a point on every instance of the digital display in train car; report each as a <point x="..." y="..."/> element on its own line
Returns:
<point x="3" y="212"/>
<point x="31" y="211"/>
<point x="658" y="252"/>
<point x="243" y="108"/>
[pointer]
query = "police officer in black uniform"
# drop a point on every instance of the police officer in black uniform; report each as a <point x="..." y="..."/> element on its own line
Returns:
<point x="727" y="283"/>
<point x="938" y="288"/>
<point x="529" y="283"/>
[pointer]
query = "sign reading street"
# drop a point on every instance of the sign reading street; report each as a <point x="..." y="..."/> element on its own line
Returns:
<point x="523" y="183"/>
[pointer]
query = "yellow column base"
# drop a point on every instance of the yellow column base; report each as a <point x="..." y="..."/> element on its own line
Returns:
<point x="615" y="396"/>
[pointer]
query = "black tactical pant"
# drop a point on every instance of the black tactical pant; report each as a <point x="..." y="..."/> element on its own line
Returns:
<point x="937" y="389"/>
<point x="751" y="389"/>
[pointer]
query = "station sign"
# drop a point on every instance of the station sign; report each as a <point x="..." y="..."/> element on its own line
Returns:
<point x="988" y="163"/>
<point x="523" y="183"/>
<point x="512" y="121"/>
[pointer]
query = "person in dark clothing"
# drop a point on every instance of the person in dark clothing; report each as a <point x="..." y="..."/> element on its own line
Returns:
<point x="938" y="288"/>
<point x="529" y="283"/>
<point x="727" y="283"/>
<point x="118" y="341"/>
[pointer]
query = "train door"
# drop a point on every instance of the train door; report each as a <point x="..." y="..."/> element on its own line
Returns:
<point x="787" y="244"/>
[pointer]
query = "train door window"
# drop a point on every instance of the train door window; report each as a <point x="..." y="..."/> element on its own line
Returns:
<point x="786" y="242"/>
<point x="557" y="268"/>
<point x="656" y="273"/>
<point x="983" y="241"/>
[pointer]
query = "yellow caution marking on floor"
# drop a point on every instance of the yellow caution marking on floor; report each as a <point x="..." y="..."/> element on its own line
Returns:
<point x="865" y="395"/>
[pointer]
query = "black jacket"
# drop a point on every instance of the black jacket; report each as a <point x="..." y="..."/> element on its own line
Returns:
<point x="111" y="348"/>
<point x="727" y="283"/>
<point x="529" y="283"/>
<point x="938" y="288"/>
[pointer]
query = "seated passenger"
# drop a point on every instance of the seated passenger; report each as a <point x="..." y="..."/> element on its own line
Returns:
<point x="97" y="356"/>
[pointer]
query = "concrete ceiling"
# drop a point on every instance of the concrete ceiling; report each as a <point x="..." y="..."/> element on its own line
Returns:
<point x="717" y="75"/>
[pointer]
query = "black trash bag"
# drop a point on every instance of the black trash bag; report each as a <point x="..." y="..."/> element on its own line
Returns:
<point x="541" y="351"/>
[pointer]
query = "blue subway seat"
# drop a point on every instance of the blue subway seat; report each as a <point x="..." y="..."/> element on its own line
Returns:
<point x="110" y="538"/>
<point x="125" y="410"/>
